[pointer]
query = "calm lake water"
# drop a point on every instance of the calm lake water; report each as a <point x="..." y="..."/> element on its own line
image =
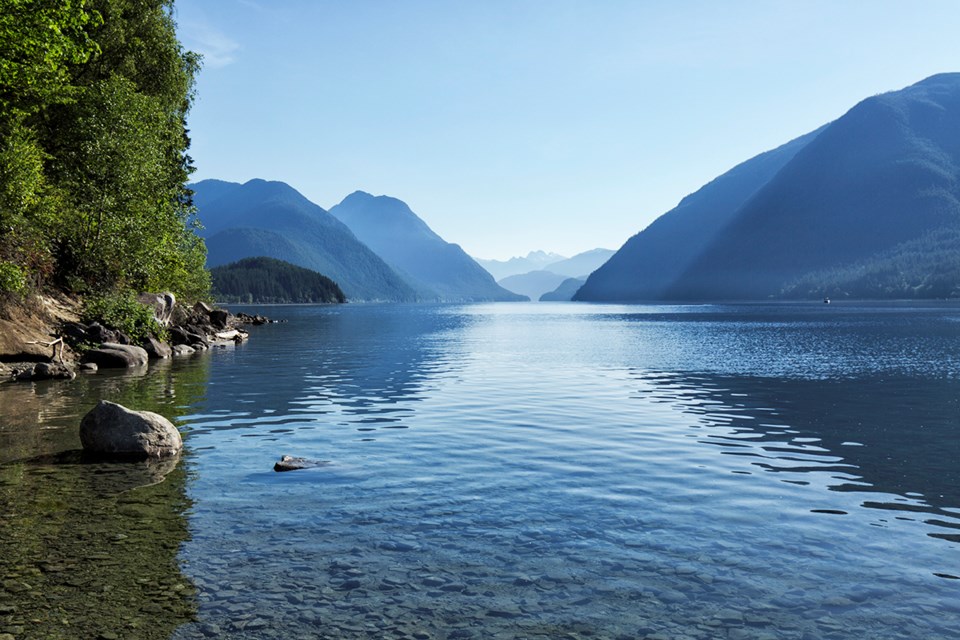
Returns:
<point x="508" y="471"/>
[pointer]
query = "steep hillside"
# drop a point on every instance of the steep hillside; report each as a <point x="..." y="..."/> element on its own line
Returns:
<point x="866" y="187"/>
<point x="272" y="219"/>
<point x="437" y="269"/>
<point x="649" y="262"/>
<point x="563" y="293"/>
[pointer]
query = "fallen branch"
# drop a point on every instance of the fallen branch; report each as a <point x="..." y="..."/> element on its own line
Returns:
<point x="53" y="343"/>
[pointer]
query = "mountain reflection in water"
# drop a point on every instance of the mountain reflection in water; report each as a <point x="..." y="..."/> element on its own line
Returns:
<point x="892" y="439"/>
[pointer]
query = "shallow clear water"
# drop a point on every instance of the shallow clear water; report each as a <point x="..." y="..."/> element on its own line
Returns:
<point x="543" y="470"/>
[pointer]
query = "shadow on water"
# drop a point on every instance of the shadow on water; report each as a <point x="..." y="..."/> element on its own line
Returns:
<point x="89" y="549"/>
<point x="894" y="440"/>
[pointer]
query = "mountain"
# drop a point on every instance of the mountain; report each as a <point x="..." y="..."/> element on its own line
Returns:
<point x="273" y="219"/>
<point x="267" y="280"/>
<point x="435" y="268"/>
<point x="533" y="284"/>
<point x="881" y="182"/>
<point x="582" y="264"/>
<point x="533" y="261"/>
<point x="565" y="292"/>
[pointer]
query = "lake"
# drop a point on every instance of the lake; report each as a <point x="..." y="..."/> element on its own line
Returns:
<point x="508" y="471"/>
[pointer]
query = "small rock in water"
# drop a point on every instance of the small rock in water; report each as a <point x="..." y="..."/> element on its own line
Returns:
<point x="290" y="463"/>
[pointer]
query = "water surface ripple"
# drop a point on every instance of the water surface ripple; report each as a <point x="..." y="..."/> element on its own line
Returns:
<point x="577" y="471"/>
<point x="583" y="471"/>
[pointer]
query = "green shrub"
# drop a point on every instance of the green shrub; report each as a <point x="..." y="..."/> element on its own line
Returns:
<point x="122" y="312"/>
<point x="12" y="279"/>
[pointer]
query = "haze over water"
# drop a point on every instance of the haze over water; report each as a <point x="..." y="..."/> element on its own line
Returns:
<point x="540" y="470"/>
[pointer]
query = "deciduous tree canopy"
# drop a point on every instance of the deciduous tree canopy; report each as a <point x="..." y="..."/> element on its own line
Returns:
<point x="93" y="148"/>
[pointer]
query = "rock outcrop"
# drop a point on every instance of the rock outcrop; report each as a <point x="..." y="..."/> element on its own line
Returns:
<point x="110" y="429"/>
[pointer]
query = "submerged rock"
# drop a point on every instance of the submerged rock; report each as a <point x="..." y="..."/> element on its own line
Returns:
<point x="48" y="371"/>
<point x="112" y="429"/>
<point x="290" y="463"/>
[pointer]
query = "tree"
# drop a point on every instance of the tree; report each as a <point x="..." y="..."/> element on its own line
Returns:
<point x="93" y="146"/>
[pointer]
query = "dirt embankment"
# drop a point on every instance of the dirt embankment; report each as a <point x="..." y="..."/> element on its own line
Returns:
<point x="29" y="326"/>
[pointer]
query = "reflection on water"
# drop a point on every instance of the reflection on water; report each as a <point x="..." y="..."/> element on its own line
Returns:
<point x="580" y="471"/>
<point x="89" y="549"/>
<point x="892" y="440"/>
<point x="534" y="471"/>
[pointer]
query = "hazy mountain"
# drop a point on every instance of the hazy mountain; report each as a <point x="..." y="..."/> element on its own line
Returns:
<point x="880" y="182"/>
<point x="533" y="284"/>
<point x="272" y="219"/>
<point x="435" y="268"/>
<point x="533" y="261"/>
<point x="267" y="280"/>
<point x="565" y="292"/>
<point x="582" y="264"/>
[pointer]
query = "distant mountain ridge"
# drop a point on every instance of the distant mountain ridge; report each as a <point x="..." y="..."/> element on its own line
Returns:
<point x="580" y="265"/>
<point x="533" y="284"/>
<point x="436" y="269"/>
<point x="533" y="261"/>
<point x="809" y="216"/>
<point x="272" y="219"/>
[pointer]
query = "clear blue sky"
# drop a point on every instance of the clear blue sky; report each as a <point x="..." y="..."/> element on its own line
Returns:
<point x="517" y="125"/>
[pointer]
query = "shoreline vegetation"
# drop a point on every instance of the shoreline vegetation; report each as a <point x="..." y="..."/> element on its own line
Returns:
<point x="94" y="204"/>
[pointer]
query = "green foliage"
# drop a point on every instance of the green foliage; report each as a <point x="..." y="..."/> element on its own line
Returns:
<point x="93" y="147"/>
<point x="266" y="280"/>
<point x="39" y="42"/>
<point x="121" y="311"/>
<point x="12" y="279"/>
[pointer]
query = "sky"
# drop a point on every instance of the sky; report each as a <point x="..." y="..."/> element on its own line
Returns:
<point x="559" y="125"/>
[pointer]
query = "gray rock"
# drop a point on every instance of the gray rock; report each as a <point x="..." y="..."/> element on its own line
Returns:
<point x="157" y="349"/>
<point x="203" y="308"/>
<point x="289" y="463"/>
<point x="162" y="304"/>
<point x="53" y="371"/>
<point x="219" y="317"/>
<point x="112" y="429"/>
<point x="98" y="333"/>
<point x="181" y="335"/>
<point x="88" y="366"/>
<point x="183" y="350"/>
<point x="111" y="354"/>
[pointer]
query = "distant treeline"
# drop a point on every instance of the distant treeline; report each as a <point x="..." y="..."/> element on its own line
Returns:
<point x="928" y="267"/>
<point x="270" y="281"/>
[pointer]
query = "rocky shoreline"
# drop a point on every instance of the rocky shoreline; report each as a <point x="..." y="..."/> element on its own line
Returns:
<point x="46" y="340"/>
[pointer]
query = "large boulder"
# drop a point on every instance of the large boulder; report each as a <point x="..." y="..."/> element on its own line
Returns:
<point x="118" y="356"/>
<point x="111" y="429"/>
<point x="156" y="349"/>
<point x="219" y="318"/>
<point x="162" y="305"/>
<point x="96" y="332"/>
